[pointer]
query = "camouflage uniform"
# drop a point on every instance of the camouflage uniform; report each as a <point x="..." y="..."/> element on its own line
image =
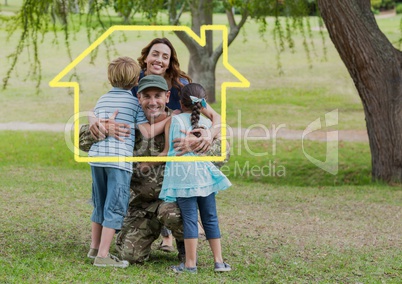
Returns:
<point x="146" y="213"/>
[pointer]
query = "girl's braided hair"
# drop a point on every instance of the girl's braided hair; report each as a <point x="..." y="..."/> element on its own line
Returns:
<point x="195" y="90"/>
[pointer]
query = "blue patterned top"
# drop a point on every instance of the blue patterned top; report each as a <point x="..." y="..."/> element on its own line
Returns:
<point x="130" y="112"/>
<point x="188" y="179"/>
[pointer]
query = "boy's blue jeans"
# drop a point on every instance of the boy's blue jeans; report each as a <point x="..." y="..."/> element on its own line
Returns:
<point x="110" y="196"/>
<point x="209" y="218"/>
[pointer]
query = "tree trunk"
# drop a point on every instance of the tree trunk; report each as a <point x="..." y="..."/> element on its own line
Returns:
<point x="202" y="70"/>
<point x="201" y="67"/>
<point x="376" y="69"/>
<point x="91" y="7"/>
<point x="76" y="7"/>
<point x="203" y="60"/>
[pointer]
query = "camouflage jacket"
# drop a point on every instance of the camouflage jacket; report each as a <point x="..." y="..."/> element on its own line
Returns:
<point x="145" y="188"/>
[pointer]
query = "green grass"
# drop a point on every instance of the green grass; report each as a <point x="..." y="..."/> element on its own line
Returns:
<point x="295" y="108"/>
<point x="12" y="6"/>
<point x="272" y="232"/>
<point x="285" y="163"/>
<point x="284" y="220"/>
<point x="280" y="162"/>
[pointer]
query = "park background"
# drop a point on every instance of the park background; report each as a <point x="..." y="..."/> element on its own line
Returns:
<point x="304" y="226"/>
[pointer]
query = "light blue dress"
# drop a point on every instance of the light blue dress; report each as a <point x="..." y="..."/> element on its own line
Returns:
<point x="189" y="179"/>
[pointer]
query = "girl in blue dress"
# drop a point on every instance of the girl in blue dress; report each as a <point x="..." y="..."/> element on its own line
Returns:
<point x="193" y="185"/>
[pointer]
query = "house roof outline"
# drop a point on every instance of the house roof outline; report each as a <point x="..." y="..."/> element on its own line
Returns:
<point x="201" y="40"/>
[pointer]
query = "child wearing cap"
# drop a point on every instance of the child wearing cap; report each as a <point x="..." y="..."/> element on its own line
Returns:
<point x="111" y="180"/>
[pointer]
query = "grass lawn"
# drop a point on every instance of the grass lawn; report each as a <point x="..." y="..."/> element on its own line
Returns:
<point x="284" y="220"/>
<point x="316" y="229"/>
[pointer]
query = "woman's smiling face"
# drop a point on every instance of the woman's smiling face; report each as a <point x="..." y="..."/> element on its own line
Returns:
<point x="158" y="59"/>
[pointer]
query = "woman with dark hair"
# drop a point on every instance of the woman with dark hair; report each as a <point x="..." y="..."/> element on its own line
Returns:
<point x="159" y="58"/>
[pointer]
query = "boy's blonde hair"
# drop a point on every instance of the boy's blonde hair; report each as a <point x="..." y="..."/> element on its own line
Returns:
<point x="123" y="72"/>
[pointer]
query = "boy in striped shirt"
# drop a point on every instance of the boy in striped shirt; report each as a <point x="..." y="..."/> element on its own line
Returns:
<point x="111" y="180"/>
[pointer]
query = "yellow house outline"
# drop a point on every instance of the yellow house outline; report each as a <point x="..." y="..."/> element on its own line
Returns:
<point x="201" y="40"/>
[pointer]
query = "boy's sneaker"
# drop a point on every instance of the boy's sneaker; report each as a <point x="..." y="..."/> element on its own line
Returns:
<point x="111" y="261"/>
<point x="182" y="268"/>
<point x="92" y="253"/>
<point x="222" y="267"/>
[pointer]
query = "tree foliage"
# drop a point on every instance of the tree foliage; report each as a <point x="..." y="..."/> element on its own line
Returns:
<point x="36" y="18"/>
<point x="127" y="8"/>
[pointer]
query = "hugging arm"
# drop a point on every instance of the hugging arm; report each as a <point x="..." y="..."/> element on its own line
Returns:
<point x="86" y="138"/>
<point x="146" y="166"/>
<point x="151" y="130"/>
<point x="99" y="129"/>
<point x="216" y="121"/>
<point x="202" y="144"/>
<point x="216" y="150"/>
<point x="167" y="138"/>
<point x="185" y="145"/>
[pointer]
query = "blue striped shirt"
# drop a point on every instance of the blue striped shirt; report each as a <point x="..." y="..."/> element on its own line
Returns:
<point x="130" y="112"/>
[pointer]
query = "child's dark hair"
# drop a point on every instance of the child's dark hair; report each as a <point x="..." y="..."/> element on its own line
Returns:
<point x="195" y="90"/>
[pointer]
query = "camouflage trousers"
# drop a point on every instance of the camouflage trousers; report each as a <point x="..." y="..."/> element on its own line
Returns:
<point x="141" y="228"/>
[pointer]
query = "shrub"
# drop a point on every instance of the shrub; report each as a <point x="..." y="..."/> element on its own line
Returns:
<point x="375" y="4"/>
<point x="219" y="8"/>
<point x="375" y="11"/>
<point x="387" y="4"/>
<point x="399" y="8"/>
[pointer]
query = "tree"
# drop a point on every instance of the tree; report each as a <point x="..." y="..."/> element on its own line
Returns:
<point x="203" y="60"/>
<point x="375" y="67"/>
